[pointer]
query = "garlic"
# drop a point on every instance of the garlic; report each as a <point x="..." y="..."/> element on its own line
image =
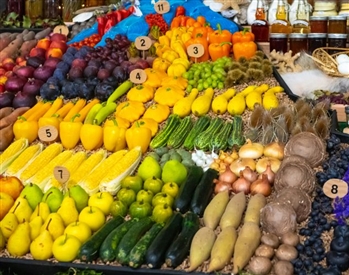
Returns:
<point x="342" y="58"/>
<point x="343" y="68"/>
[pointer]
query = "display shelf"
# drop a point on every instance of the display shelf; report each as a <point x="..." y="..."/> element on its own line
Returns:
<point x="12" y="30"/>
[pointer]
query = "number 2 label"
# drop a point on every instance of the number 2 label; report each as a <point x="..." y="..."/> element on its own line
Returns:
<point x="143" y="43"/>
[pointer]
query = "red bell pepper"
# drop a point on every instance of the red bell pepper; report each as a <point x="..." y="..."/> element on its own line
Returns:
<point x="101" y="21"/>
<point x="180" y="11"/>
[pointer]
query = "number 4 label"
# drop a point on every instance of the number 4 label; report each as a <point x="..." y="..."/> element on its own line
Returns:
<point x="335" y="188"/>
<point x="138" y="76"/>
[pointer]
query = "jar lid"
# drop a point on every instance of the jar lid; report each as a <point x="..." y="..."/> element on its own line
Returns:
<point x="298" y="35"/>
<point x="278" y="35"/>
<point x="317" y="35"/>
<point x="315" y="18"/>
<point x="337" y="17"/>
<point x="337" y="35"/>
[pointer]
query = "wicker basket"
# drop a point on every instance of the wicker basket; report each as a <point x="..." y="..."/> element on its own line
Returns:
<point x="326" y="62"/>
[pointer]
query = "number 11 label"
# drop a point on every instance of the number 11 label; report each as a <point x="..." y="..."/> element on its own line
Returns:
<point x="162" y="7"/>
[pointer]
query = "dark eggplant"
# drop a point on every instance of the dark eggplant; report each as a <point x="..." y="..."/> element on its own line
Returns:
<point x="340" y="244"/>
<point x="341" y="230"/>
<point x="332" y="270"/>
<point x="339" y="259"/>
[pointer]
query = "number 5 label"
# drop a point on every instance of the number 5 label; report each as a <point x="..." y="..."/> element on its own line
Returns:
<point x="48" y="133"/>
<point x="335" y="188"/>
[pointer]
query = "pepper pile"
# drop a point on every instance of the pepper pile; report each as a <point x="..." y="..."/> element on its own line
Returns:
<point x="156" y="20"/>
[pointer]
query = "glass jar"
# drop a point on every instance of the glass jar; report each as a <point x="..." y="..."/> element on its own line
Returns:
<point x="278" y="42"/>
<point x="298" y="42"/>
<point x="69" y="7"/>
<point x="318" y="24"/>
<point x="16" y="6"/>
<point x="316" y="40"/>
<point x="52" y="9"/>
<point x="336" y="40"/>
<point x="325" y="8"/>
<point x="337" y="24"/>
<point x="34" y="8"/>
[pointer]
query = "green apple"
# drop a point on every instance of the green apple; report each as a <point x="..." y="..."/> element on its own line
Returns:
<point x="93" y="217"/>
<point x="66" y="248"/>
<point x="162" y="213"/>
<point x="175" y="171"/>
<point x="126" y="195"/>
<point x="149" y="168"/>
<point x="145" y="195"/>
<point x="33" y="194"/>
<point x="134" y="182"/>
<point x="162" y="198"/>
<point x="153" y="184"/>
<point x="170" y="188"/>
<point x="79" y="195"/>
<point x="118" y="208"/>
<point x="53" y="197"/>
<point x="80" y="230"/>
<point x="140" y="209"/>
<point x="102" y="200"/>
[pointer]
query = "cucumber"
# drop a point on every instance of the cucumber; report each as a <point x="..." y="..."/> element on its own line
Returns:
<point x="137" y="254"/>
<point x="203" y="192"/>
<point x="89" y="250"/>
<point x="187" y="189"/>
<point x="163" y="135"/>
<point x="203" y="140"/>
<point x="199" y="126"/>
<point x="155" y="255"/>
<point x="237" y="137"/>
<point x="180" y="133"/>
<point x="110" y="243"/>
<point x="179" y="249"/>
<point x="130" y="239"/>
<point x="220" y="141"/>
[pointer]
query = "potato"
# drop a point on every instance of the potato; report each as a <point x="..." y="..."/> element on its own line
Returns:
<point x="286" y="252"/>
<point x="260" y="266"/>
<point x="283" y="268"/>
<point x="265" y="251"/>
<point x="290" y="238"/>
<point x="271" y="240"/>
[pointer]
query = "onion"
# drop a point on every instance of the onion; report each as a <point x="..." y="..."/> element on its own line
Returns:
<point x="262" y="164"/>
<point x="249" y="174"/>
<point x="275" y="150"/>
<point x="251" y="150"/>
<point x="228" y="175"/>
<point x="221" y="186"/>
<point x="269" y="173"/>
<point x="240" y="164"/>
<point x="241" y="185"/>
<point x="261" y="186"/>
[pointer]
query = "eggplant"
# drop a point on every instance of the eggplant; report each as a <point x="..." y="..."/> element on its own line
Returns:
<point x="340" y="244"/>
<point x="35" y="61"/>
<point x="339" y="259"/>
<point x="341" y="230"/>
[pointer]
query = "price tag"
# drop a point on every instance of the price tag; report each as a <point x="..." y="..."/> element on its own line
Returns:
<point x="143" y="43"/>
<point x="61" y="174"/>
<point x="48" y="134"/>
<point x="63" y="29"/>
<point x="138" y="76"/>
<point x="195" y="50"/>
<point x="162" y="7"/>
<point x="335" y="188"/>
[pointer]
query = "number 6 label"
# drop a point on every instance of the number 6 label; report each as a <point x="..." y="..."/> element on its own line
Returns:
<point x="335" y="188"/>
<point x="48" y="133"/>
<point x="138" y="76"/>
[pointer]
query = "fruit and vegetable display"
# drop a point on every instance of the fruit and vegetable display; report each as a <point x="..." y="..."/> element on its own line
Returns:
<point x="177" y="151"/>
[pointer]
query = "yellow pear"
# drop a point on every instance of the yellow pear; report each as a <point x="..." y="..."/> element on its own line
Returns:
<point x="41" y="210"/>
<point x="8" y="224"/>
<point x="35" y="227"/>
<point x="54" y="224"/>
<point x="68" y="211"/>
<point x="22" y="209"/>
<point x="41" y="246"/>
<point x="19" y="242"/>
<point x="2" y="240"/>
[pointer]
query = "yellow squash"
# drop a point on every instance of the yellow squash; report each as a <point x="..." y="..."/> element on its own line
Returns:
<point x="202" y="104"/>
<point x="183" y="106"/>
<point x="252" y="99"/>
<point x="220" y="103"/>
<point x="237" y="105"/>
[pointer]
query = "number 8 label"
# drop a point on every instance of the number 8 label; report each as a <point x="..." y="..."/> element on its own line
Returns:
<point x="335" y="188"/>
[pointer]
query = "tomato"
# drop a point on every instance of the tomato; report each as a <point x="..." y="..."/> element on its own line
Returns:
<point x="118" y="208"/>
<point x="162" y="198"/>
<point x="170" y="188"/>
<point x="126" y="195"/>
<point x="162" y="213"/>
<point x="133" y="182"/>
<point x="140" y="209"/>
<point x="153" y="184"/>
<point x="144" y="195"/>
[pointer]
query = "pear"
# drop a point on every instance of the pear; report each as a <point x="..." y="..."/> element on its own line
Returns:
<point x="41" y="246"/>
<point x="2" y="241"/>
<point x="54" y="224"/>
<point x="174" y="171"/>
<point x="149" y="168"/>
<point x="35" y="227"/>
<point x="33" y="194"/>
<point x="68" y="211"/>
<point x="53" y="197"/>
<point x="19" y="242"/>
<point x="41" y="210"/>
<point x="8" y="224"/>
<point x="21" y="209"/>
<point x="79" y="195"/>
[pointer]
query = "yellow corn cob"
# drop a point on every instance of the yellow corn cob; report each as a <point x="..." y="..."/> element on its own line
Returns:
<point x="12" y="152"/>
<point x="40" y="161"/>
<point x="91" y="182"/>
<point x="86" y="167"/>
<point x="72" y="164"/>
<point x="111" y="182"/>
<point x="24" y="159"/>
<point x="45" y="173"/>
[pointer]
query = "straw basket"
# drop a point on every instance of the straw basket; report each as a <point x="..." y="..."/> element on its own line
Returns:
<point x="326" y="62"/>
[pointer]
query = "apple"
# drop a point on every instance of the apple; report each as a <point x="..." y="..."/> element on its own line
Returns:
<point x="37" y="52"/>
<point x="59" y="45"/>
<point x="66" y="248"/>
<point x="6" y="202"/>
<point x="58" y="37"/>
<point x="102" y="200"/>
<point x="43" y="43"/>
<point x="93" y="217"/>
<point x="9" y="66"/>
<point x="54" y="52"/>
<point x="145" y="195"/>
<point x="134" y="182"/>
<point x="11" y="185"/>
<point x="80" y="230"/>
<point x="153" y="184"/>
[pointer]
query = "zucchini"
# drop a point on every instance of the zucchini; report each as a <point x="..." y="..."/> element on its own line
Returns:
<point x="130" y="239"/>
<point x="220" y="141"/>
<point x="163" y="135"/>
<point x="110" y="243"/>
<point x="187" y="189"/>
<point x="203" y="140"/>
<point x="180" y="133"/>
<point x="179" y="249"/>
<point x="156" y="252"/>
<point x="89" y="250"/>
<point x="199" y="126"/>
<point x="203" y="192"/>
<point x="137" y="254"/>
<point x="237" y="137"/>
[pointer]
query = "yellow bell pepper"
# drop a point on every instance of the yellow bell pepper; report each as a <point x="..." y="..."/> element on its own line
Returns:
<point x="157" y="112"/>
<point x="138" y="136"/>
<point x="164" y="40"/>
<point x="176" y="69"/>
<point x="130" y="110"/>
<point x="24" y="128"/>
<point x="69" y="132"/>
<point x="148" y="123"/>
<point x="184" y="61"/>
<point x="169" y="34"/>
<point x="176" y="81"/>
<point x="168" y="95"/>
<point x="91" y="136"/>
<point x="154" y="77"/>
<point x="185" y="37"/>
<point x="121" y="122"/>
<point x="141" y="93"/>
<point x="160" y="49"/>
<point x="114" y="136"/>
<point x="161" y="64"/>
<point x="179" y="47"/>
<point x="53" y="121"/>
<point x="170" y="55"/>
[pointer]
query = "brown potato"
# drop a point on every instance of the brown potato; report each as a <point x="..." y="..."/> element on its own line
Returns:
<point x="260" y="266"/>
<point x="265" y="251"/>
<point x="286" y="252"/>
<point x="283" y="268"/>
<point x="271" y="240"/>
<point x="290" y="238"/>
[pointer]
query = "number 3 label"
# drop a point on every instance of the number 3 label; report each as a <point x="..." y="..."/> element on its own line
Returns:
<point x="138" y="76"/>
<point x="335" y="188"/>
<point x="195" y="50"/>
<point x="48" y="133"/>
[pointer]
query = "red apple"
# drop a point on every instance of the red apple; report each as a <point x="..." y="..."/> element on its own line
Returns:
<point x="58" y="37"/>
<point x="54" y="52"/>
<point x="12" y="186"/>
<point x="6" y="202"/>
<point x="9" y="66"/>
<point x="37" y="52"/>
<point x="60" y="45"/>
<point x="2" y="71"/>
<point x="44" y="43"/>
<point x="19" y="59"/>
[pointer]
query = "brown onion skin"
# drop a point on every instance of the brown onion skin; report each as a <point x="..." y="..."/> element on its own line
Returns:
<point x="221" y="186"/>
<point x="241" y="185"/>
<point x="261" y="186"/>
<point x="270" y="175"/>
<point x="249" y="174"/>
<point x="228" y="175"/>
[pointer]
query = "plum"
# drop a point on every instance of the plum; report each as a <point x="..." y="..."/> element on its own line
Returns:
<point x="103" y="74"/>
<point x="75" y="72"/>
<point x="50" y="91"/>
<point x="90" y="71"/>
<point x="103" y="91"/>
<point x="70" y="89"/>
<point x="87" y="91"/>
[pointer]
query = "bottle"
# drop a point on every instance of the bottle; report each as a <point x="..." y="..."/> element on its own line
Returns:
<point x="16" y="6"/>
<point x="301" y="24"/>
<point x="251" y="12"/>
<point x="281" y="24"/>
<point x="293" y="10"/>
<point x="260" y="27"/>
<point x="272" y="10"/>
<point x="52" y="9"/>
<point x="34" y="9"/>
